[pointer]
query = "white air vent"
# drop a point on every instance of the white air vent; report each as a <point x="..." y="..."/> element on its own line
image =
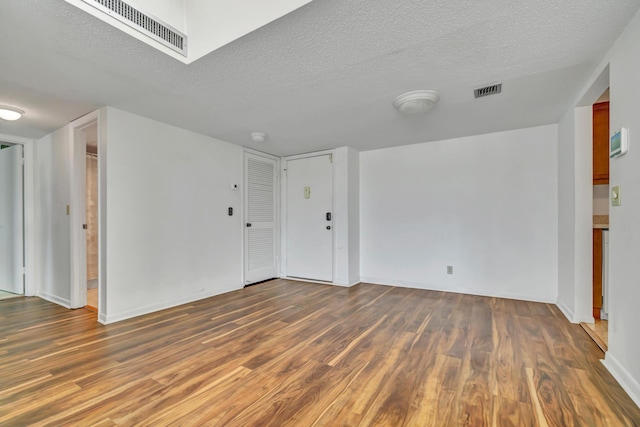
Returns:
<point x="488" y="90"/>
<point x="143" y="22"/>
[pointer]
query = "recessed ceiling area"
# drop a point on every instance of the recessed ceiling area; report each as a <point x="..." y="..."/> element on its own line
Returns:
<point x="322" y="76"/>
<point x="205" y="25"/>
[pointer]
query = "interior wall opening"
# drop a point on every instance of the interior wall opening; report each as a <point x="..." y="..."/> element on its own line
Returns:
<point x="12" y="273"/>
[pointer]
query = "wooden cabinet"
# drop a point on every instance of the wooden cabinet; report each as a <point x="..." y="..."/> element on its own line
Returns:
<point x="597" y="272"/>
<point x="601" y="143"/>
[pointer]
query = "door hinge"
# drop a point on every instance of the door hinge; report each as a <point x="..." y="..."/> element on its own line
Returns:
<point x="330" y="158"/>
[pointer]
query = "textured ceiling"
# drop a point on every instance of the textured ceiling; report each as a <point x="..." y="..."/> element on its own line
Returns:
<point x="321" y="77"/>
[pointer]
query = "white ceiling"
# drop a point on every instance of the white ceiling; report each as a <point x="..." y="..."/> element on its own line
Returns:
<point x="321" y="77"/>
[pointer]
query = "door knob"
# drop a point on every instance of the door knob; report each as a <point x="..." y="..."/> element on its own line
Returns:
<point x="248" y="224"/>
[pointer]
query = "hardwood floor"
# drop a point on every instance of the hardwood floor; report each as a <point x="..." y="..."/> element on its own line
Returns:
<point x="599" y="332"/>
<point x="299" y="354"/>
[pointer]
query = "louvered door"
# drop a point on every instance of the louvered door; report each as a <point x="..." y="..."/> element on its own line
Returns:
<point x="260" y="193"/>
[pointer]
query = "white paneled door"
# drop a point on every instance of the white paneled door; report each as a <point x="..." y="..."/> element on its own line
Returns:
<point x="260" y="216"/>
<point x="309" y="219"/>
<point x="11" y="219"/>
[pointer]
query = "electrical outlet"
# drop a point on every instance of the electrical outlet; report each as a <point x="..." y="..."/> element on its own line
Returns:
<point x="449" y="269"/>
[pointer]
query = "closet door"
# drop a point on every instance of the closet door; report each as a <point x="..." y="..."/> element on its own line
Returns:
<point x="260" y="222"/>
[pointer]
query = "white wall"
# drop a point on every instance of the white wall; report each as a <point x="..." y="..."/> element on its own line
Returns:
<point x="566" y="214"/>
<point x="346" y="219"/>
<point x="485" y="204"/>
<point x="169" y="238"/>
<point x="623" y="357"/>
<point x="584" y="214"/>
<point x="354" y="215"/>
<point x="52" y="195"/>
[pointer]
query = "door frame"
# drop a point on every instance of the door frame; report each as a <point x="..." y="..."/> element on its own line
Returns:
<point x="243" y="210"/>
<point x="28" y="210"/>
<point x="283" y="216"/>
<point x="78" y="210"/>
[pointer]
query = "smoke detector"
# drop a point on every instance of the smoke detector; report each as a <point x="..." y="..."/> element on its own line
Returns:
<point x="416" y="102"/>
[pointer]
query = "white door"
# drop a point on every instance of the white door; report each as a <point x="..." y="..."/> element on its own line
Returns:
<point x="11" y="235"/>
<point x="260" y="175"/>
<point x="309" y="222"/>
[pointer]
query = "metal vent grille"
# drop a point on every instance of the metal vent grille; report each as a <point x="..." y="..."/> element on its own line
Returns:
<point x="143" y="22"/>
<point x="488" y="90"/>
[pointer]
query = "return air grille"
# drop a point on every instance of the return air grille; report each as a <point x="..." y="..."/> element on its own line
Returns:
<point x="488" y="90"/>
<point x="143" y="22"/>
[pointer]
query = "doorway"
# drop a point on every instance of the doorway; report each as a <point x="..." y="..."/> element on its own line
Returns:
<point x="598" y="330"/>
<point x="86" y="283"/>
<point x="309" y="218"/>
<point x="91" y="171"/>
<point x="12" y="272"/>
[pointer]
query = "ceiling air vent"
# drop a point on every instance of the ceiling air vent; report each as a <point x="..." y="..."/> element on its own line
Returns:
<point x="488" y="90"/>
<point x="143" y="22"/>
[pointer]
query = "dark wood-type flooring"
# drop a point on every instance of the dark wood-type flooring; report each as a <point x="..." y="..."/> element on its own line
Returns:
<point x="285" y="353"/>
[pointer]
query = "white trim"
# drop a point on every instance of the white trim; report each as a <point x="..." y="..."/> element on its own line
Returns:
<point x="624" y="378"/>
<point x="30" y="236"/>
<point x="54" y="299"/>
<point x="151" y="308"/>
<point x="303" y="280"/>
<point x="433" y="287"/>
<point x="568" y="313"/>
<point x="307" y="155"/>
<point x="78" y="214"/>
<point x="346" y="285"/>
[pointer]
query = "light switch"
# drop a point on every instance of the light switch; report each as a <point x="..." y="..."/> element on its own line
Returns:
<point x="307" y="192"/>
<point x="615" y="196"/>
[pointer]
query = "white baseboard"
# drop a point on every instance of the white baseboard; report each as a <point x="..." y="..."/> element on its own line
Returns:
<point x="432" y="287"/>
<point x="102" y="319"/>
<point x="151" y="308"/>
<point x="66" y="303"/>
<point x="568" y="313"/>
<point x="624" y="378"/>
<point x="573" y="317"/>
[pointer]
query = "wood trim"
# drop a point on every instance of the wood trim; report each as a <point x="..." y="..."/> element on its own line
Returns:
<point x="597" y="272"/>
<point x="601" y="143"/>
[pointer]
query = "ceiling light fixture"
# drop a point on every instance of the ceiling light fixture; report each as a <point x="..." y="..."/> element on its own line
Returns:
<point x="10" y="113"/>
<point x="258" y="136"/>
<point x="416" y="102"/>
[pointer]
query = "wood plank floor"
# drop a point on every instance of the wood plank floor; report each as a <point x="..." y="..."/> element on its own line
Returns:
<point x="298" y="354"/>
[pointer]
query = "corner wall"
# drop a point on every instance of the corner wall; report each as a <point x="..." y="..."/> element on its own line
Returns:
<point x="52" y="234"/>
<point x="169" y="237"/>
<point x="624" y="238"/>
<point x="486" y="204"/>
<point x="575" y="209"/>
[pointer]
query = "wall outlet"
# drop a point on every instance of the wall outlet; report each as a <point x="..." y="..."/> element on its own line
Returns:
<point x="449" y="269"/>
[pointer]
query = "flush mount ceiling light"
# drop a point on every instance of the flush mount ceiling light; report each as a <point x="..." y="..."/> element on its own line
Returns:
<point x="10" y="113"/>
<point x="416" y="102"/>
<point x="258" y="136"/>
